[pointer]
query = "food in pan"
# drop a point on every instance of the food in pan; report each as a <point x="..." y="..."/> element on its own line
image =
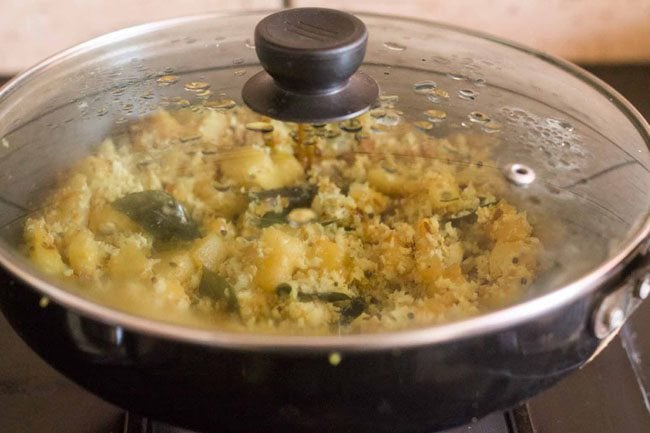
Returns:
<point x="224" y="218"/>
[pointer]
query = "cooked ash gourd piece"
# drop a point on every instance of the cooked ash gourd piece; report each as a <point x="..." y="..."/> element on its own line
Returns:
<point x="194" y="217"/>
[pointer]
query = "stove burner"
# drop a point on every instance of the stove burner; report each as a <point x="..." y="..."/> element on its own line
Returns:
<point x="510" y="422"/>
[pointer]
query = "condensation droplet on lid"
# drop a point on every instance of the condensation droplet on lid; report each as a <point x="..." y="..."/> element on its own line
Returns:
<point x="388" y="100"/>
<point x="377" y="128"/>
<point x="478" y="117"/>
<point x="390" y="119"/>
<point x="424" y="125"/>
<point x="167" y="80"/>
<point x="480" y="82"/>
<point x="394" y="46"/>
<point x="194" y="86"/>
<point x="424" y="86"/>
<point x="352" y="125"/>
<point x="457" y="77"/>
<point x="249" y="44"/>
<point x="492" y="127"/>
<point x="221" y="104"/>
<point x="102" y="111"/>
<point x="561" y="123"/>
<point x="259" y="126"/>
<point x="203" y="94"/>
<point x="435" y="115"/>
<point x="240" y="72"/>
<point x="147" y="95"/>
<point x="467" y="94"/>
<point x="437" y="94"/>
<point x="465" y="124"/>
<point x="238" y="61"/>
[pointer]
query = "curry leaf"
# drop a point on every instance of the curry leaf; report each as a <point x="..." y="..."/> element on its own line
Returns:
<point x="160" y="214"/>
<point x="297" y="196"/>
<point x="215" y="287"/>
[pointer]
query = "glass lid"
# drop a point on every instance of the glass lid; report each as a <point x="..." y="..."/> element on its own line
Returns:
<point x="484" y="176"/>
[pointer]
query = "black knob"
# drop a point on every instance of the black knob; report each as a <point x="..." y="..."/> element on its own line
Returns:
<point x="310" y="56"/>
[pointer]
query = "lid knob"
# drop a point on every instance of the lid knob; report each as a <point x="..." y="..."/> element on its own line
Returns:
<point x="310" y="56"/>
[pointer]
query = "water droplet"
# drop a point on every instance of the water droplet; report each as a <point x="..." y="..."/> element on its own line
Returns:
<point x="394" y="46"/>
<point x="457" y="77"/>
<point x="167" y="80"/>
<point x="480" y="82"/>
<point x="102" y="111"/>
<point x="388" y="100"/>
<point x="390" y="119"/>
<point x="194" y="86"/>
<point x="190" y="40"/>
<point x="220" y="104"/>
<point x="332" y="133"/>
<point x="238" y="61"/>
<point x="249" y="44"/>
<point x="424" y="125"/>
<point x="465" y="124"/>
<point x="467" y="94"/>
<point x="352" y="125"/>
<point x="259" y="126"/>
<point x="377" y="112"/>
<point x="147" y="95"/>
<point x="492" y="127"/>
<point x="561" y="123"/>
<point x="478" y="117"/>
<point x="377" y="128"/>
<point x="435" y="115"/>
<point x="437" y="94"/>
<point x="424" y="86"/>
<point x="240" y="73"/>
<point x="203" y="94"/>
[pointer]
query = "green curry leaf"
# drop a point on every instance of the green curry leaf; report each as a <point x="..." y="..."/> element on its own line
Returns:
<point x="215" y="287"/>
<point x="159" y="214"/>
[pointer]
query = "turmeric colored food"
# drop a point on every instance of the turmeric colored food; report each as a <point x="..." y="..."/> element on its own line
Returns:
<point x="228" y="219"/>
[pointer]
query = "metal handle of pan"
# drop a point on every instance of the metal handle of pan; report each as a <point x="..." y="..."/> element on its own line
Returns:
<point x="615" y="307"/>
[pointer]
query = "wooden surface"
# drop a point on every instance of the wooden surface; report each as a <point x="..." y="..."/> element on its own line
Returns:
<point x="31" y="30"/>
<point x="586" y="31"/>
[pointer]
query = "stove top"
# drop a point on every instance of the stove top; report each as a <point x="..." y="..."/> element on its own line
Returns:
<point x="609" y="395"/>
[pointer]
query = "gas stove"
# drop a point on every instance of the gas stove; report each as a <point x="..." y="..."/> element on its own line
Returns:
<point x="609" y="395"/>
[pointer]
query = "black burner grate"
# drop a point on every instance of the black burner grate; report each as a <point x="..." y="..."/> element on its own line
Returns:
<point x="510" y="422"/>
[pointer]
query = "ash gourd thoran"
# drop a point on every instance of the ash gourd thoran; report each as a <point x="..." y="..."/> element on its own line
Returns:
<point x="228" y="219"/>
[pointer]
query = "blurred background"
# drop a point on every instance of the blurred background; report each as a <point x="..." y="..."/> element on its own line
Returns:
<point x="584" y="31"/>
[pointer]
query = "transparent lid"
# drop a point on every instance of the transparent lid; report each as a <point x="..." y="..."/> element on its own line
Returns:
<point x="510" y="124"/>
